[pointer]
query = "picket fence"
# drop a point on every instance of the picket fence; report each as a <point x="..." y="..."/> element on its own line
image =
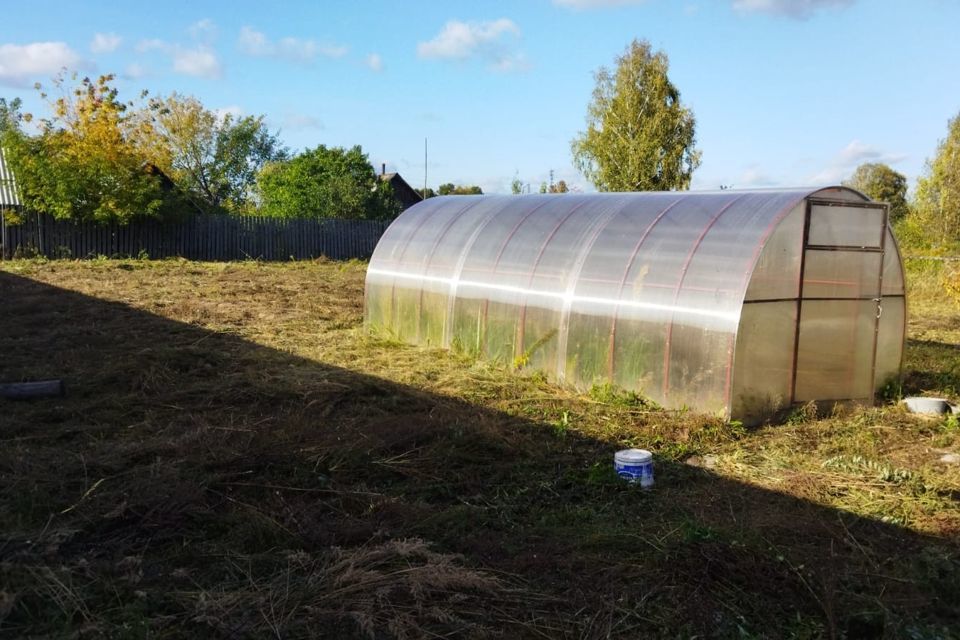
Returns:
<point x="199" y="237"/>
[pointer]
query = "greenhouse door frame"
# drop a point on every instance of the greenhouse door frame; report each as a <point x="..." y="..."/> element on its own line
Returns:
<point x="849" y="375"/>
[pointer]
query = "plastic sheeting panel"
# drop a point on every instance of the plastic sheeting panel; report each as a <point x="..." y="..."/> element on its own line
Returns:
<point x="846" y="226"/>
<point x="835" y="350"/>
<point x="764" y="359"/>
<point x="889" y="343"/>
<point x="642" y="290"/>
<point x="841" y="274"/>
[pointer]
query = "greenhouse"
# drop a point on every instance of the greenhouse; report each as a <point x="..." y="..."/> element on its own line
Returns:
<point x="735" y="302"/>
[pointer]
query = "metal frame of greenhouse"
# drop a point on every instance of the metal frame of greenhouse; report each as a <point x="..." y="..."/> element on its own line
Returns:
<point x="735" y="302"/>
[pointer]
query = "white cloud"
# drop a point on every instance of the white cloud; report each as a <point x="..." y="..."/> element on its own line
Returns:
<point x="150" y="44"/>
<point x="105" y="42"/>
<point x="461" y="40"/>
<point x="199" y="61"/>
<point x="253" y="42"/>
<point x="328" y="50"/>
<point x="21" y="63"/>
<point x="374" y="62"/>
<point x="801" y="9"/>
<point x="203" y="30"/>
<point x="595" y="4"/>
<point x="233" y="110"/>
<point x="857" y="152"/>
<point x="491" y="41"/>
<point x="256" y="43"/>
<point x="845" y="162"/>
<point x="302" y="50"/>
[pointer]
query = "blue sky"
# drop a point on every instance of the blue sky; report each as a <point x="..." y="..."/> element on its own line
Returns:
<point x="785" y="92"/>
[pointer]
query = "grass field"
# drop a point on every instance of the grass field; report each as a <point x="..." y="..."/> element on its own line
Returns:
<point x="235" y="457"/>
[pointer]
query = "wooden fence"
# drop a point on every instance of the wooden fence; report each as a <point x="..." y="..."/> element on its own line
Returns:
<point x="201" y="237"/>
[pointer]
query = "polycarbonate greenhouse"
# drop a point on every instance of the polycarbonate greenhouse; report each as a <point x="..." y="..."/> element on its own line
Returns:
<point x="736" y="302"/>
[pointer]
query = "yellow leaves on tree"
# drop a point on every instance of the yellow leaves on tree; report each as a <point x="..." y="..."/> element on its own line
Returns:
<point x="214" y="157"/>
<point x="938" y="190"/>
<point x="86" y="163"/>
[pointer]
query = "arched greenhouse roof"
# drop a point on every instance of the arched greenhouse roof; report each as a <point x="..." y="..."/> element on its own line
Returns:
<point x="643" y="290"/>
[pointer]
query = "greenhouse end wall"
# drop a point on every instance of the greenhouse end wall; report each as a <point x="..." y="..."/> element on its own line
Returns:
<point x="667" y="294"/>
<point x="824" y="315"/>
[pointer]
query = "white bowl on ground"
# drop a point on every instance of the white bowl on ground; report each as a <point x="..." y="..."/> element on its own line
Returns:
<point x="919" y="404"/>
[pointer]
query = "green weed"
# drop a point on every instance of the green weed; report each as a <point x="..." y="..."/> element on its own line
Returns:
<point x="859" y="464"/>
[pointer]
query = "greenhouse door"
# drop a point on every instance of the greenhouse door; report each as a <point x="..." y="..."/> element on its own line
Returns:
<point x="839" y="303"/>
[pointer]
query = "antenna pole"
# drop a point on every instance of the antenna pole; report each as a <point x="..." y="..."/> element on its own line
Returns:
<point x="424" y="168"/>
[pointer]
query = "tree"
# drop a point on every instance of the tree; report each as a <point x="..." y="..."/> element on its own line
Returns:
<point x="639" y="136"/>
<point x="326" y="183"/>
<point x="516" y="185"/>
<point x="450" y="189"/>
<point x="558" y="187"/>
<point x="10" y="115"/>
<point x="880" y="182"/>
<point x="214" y="157"/>
<point x="938" y="190"/>
<point x="85" y="163"/>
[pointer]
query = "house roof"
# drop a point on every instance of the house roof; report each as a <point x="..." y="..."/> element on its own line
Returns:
<point x="8" y="186"/>
<point x="406" y="194"/>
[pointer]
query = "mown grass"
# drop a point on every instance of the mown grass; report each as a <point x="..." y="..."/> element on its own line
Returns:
<point x="237" y="457"/>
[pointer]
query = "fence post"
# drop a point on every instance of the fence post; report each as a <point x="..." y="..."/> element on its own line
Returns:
<point x="39" y="235"/>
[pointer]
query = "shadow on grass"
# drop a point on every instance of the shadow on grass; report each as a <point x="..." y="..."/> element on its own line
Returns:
<point x="932" y="366"/>
<point x="195" y="483"/>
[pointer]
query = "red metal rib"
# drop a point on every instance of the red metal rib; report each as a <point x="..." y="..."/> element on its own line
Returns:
<point x="676" y="294"/>
<point x="496" y="263"/>
<point x="751" y="266"/>
<point x="518" y="346"/>
<point x="623" y="284"/>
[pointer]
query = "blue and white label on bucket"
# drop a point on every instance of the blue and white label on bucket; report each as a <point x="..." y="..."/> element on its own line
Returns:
<point x="642" y="473"/>
<point x="634" y="466"/>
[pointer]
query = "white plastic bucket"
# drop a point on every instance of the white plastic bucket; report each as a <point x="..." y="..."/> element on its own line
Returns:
<point x="635" y="466"/>
<point x="918" y="404"/>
